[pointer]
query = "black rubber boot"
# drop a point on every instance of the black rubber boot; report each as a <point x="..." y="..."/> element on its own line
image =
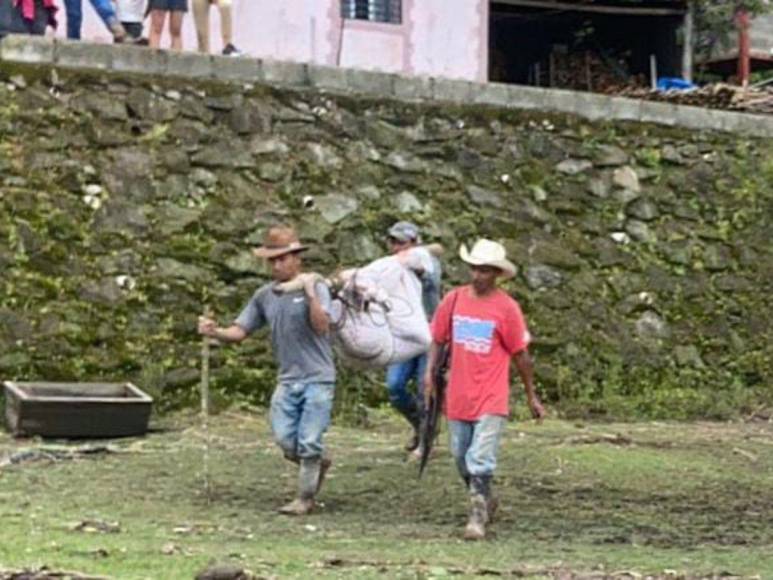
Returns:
<point x="413" y="415"/>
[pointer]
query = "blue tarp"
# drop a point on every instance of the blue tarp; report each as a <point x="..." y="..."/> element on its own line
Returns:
<point x="673" y="83"/>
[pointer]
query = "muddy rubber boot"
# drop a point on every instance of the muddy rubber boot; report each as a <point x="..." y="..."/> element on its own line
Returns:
<point x="492" y="505"/>
<point x="308" y="480"/>
<point x="324" y="465"/>
<point x="483" y="485"/>
<point x="476" y="524"/>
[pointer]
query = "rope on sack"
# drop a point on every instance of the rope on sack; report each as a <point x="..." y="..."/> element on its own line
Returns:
<point x="351" y="310"/>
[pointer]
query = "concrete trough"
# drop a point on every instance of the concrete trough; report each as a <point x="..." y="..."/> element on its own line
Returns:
<point x="76" y="409"/>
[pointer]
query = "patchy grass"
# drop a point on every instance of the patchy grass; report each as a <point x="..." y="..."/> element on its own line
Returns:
<point x="577" y="501"/>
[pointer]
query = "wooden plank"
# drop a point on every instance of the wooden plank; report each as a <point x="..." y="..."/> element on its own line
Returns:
<point x="595" y="8"/>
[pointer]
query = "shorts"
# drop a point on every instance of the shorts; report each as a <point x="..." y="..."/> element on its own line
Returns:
<point x="169" y="5"/>
<point x="133" y="29"/>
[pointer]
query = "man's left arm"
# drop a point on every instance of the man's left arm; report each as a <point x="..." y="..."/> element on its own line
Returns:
<point x="318" y="316"/>
<point x="525" y="366"/>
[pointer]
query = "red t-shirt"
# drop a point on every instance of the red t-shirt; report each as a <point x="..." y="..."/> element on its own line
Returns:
<point x="486" y="333"/>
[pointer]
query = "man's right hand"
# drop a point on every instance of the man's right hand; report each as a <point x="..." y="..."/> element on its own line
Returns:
<point x="429" y="386"/>
<point x="207" y="327"/>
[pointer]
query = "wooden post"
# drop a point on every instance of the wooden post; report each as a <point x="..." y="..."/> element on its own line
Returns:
<point x="687" y="49"/>
<point x="744" y="65"/>
<point x="204" y="391"/>
<point x="204" y="386"/>
<point x="653" y="72"/>
<point x="551" y="69"/>
<point x="588" y="79"/>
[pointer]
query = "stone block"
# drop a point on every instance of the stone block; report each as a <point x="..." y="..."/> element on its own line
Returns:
<point x="79" y="54"/>
<point x="697" y="118"/>
<point x="621" y="109"/>
<point x="241" y="70"/>
<point x="25" y="48"/>
<point x="413" y="88"/>
<point x="590" y="106"/>
<point x="745" y="123"/>
<point x="374" y="83"/>
<point x="137" y="59"/>
<point x="523" y="97"/>
<point x="496" y="94"/>
<point x="660" y="113"/>
<point x="454" y="91"/>
<point x="329" y="78"/>
<point x="286" y="73"/>
<point x="189" y="65"/>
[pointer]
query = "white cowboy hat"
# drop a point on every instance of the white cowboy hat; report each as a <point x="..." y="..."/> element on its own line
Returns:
<point x="488" y="253"/>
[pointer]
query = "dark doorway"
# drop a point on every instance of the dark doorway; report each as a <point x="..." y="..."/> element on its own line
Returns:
<point x="581" y="50"/>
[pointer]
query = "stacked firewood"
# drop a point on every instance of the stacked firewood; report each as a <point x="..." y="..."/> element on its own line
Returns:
<point x="714" y="96"/>
<point x="587" y="71"/>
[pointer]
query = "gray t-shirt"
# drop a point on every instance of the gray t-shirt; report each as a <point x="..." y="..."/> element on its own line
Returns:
<point x="420" y="260"/>
<point x="303" y="355"/>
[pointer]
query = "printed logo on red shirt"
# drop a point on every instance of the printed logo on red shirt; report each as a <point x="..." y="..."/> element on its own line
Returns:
<point x="474" y="334"/>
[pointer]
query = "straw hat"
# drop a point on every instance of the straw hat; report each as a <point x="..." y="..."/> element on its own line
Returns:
<point x="488" y="253"/>
<point x="279" y="240"/>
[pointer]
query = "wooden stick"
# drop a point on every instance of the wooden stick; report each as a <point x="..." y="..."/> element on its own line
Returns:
<point x="204" y="391"/>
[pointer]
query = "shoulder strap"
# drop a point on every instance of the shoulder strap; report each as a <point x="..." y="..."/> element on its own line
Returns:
<point x="451" y="315"/>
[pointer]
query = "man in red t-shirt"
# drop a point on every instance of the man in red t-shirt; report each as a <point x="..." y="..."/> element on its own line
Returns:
<point x="486" y="328"/>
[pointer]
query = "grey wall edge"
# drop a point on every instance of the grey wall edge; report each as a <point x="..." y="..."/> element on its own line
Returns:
<point x="127" y="59"/>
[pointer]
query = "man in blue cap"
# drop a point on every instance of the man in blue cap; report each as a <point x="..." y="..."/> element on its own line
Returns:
<point x="404" y="236"/>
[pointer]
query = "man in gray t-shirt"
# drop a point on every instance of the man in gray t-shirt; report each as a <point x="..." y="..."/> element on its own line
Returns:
<point x="300" y="322"/>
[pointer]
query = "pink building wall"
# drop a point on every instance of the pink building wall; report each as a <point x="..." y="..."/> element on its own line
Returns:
<point x="447" y="38"/>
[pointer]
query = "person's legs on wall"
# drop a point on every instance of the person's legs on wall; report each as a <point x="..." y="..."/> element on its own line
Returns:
<point x="157" y="20"/>
<point x="201" y="19"/>
<point x="74" y="11"/>
<point x="106" y="12"/>
<point x="226" y="28"/>
<point x="176" y="29"/>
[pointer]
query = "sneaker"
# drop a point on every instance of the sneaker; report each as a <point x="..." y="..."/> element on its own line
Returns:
<point x="297" y="507"/>
<point x="231" y="50"/>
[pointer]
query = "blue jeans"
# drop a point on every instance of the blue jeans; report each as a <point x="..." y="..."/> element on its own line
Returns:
<point x="397" y="379"/>
<point x="74" y="10"/>
<point x="474" y="445"/>
<point x="300" y="415"/>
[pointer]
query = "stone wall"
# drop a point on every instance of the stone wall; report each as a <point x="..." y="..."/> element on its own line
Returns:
<point x="127" y="203"/>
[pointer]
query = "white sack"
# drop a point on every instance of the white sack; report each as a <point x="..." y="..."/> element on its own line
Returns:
<point x="379" y="317"/>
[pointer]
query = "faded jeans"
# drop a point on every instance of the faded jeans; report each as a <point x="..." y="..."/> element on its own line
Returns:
<point x="74" y="10"/>
<point x="397" y="379"/>
<point x="474" y="445"/>
<point x="300" y="415"/>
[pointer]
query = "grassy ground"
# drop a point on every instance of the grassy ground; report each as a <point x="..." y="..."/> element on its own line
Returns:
<point x="595" y="501"/>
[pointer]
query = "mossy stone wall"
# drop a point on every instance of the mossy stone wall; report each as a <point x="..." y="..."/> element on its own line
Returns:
<point x="126" y="204"/>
